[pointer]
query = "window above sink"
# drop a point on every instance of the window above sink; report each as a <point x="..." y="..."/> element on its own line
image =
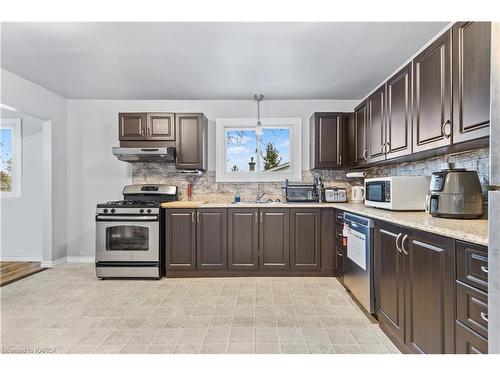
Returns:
<point x="246" y="152"/>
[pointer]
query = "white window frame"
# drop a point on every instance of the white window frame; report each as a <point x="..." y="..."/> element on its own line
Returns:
<point x="223" y="124"/>
<point x="15" y="125"/>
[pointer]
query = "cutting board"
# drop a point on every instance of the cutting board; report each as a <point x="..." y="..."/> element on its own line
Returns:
<point x="182" y="204"/>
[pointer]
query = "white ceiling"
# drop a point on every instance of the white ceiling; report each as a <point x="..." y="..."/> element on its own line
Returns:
<point x="211" y="60"/>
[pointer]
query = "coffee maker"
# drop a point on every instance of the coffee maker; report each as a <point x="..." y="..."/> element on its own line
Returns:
<point x="455" y="194"/>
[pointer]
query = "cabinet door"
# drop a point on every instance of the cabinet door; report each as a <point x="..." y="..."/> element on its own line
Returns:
<point x="360" y="127"/>
<point x="398" y="124"/>
<point x="327" y="239"/>
<point x="161" y="127"/>
<point x="274" y="239"/>
<point x="376" y="125"/>
<point x="189" y="140"/>
<point x="180" y="239"/>
<point x="327" y="138"/>
<point x="471" y="80"/>
<point x="132" y="126"/>
<point x="390" y="279"/>
<point x="469" y="342"/>
<point x="430" y="293"/>
<point x="211" y="239"/>
<point x="305" y="239"/>
<point x="243" y="239"/>
<point x="432" y="126"/>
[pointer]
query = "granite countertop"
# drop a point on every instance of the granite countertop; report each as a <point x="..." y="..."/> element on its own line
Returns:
<point x="475" y="231"/>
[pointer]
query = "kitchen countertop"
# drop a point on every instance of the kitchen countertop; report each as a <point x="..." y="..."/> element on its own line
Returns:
<point x="475" y="231"/>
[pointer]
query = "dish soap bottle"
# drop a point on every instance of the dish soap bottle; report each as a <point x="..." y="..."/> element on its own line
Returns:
<point x="237" y="198"/>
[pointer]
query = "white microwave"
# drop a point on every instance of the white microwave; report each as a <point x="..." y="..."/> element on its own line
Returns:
<point x="397" y="193"/>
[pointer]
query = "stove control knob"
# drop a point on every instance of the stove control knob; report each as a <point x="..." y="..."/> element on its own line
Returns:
<point x="141" y="211"/>
<point x="149" y="210"/>
<point x="105" y="211"/>
<point x="113" y="210"/>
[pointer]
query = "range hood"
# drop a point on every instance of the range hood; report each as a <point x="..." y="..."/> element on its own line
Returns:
<point x="145" y="154"/>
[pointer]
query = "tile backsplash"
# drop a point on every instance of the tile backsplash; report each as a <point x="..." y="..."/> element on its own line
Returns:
<point x="206" y="188"/>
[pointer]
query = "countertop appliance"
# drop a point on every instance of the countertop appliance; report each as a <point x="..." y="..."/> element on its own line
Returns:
<point x="358" y="263"/>
<point x="334" y="195"/>
<point x="397" y="193"/>
<point x="456" y="194"/>
<point x="128" y="235"/>
<point x="142" y="154"/>
<point x="302" y="191"/>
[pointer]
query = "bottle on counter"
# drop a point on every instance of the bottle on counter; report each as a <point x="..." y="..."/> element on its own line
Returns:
<point x="237" y="197"/>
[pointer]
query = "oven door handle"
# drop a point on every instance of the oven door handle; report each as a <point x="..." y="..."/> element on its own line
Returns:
<point x="126" y="218"/>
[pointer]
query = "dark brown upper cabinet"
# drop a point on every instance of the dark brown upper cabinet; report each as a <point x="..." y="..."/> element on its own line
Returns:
<point x="398" y="114"/>
<point x="361" y="147"/>
<point x="274" y="239"/>
<point x="146" y="127"/>
<point x="211" y="249"/>
<point x="132" y="126"/>
<point x="243" y="239"/>
<point x="376" y="125"/>
<point x="349" y="140"/>
<point x="305" y="239"/>
<point x="471" y="80"/>
<point x="160" y="127"/>
<point x="180" y="239"/>
<point x="326" y="140"/>
<point x="432" y="107"/>
<point x="191" y="141"/>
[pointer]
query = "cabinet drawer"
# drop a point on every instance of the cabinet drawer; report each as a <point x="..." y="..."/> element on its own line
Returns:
<point x="472" y="308"/>
<point x="469" y="342"/>
<point x="472" y="265"/>
<point x="340" y="217"/>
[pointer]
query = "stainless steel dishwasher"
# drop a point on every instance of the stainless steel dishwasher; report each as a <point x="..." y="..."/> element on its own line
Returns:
<point x="358" y="264"/>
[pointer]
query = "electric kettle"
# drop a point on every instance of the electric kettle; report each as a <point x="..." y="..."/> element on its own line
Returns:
<point x="357" y="194"/>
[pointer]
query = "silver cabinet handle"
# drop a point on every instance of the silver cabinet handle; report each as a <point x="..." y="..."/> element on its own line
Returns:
<point x="387" y="148"/>
<point x="340" y="159"/>
<point x="382" y="148"/>
<point x="192" y="217"/>
<point x="484" y="269"/>
<point x="484" y="316"/>
<point x="261" y="216"/>
<point x="397" y="242"/>
<point x="198" y="216"/>
<point x="365" y="154"/>
<point x="446" y="125"/>
<point x="403" y="244"/>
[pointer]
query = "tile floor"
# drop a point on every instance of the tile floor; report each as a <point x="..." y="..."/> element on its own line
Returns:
<point x="68" y="310"/>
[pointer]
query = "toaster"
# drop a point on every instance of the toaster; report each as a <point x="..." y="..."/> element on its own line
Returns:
<point x="456" y="194"/>
<point x="334" y="195"/>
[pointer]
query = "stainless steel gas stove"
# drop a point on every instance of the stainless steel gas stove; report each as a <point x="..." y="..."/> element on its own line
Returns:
<point x="128" y="235"/>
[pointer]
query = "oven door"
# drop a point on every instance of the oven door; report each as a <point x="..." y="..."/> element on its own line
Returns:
<point x="127" y="239"/>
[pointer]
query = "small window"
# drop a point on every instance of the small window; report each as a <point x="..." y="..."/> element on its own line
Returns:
<point x="10" y="157"/>
<point x="270" y="152"/>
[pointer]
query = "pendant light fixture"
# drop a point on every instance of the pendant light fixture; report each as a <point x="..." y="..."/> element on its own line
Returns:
<point x="258" y="128"/>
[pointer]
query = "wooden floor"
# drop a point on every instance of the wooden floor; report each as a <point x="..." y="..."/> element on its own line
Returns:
<point x="13" y="271"/>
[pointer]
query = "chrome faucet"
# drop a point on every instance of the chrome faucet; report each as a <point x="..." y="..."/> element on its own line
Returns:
<point x="258" y="198"/>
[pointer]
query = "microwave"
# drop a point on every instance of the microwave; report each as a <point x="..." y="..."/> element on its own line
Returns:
<point x="397" y="193"/>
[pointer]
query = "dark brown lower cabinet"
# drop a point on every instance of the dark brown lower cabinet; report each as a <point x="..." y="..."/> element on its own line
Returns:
<point x="430" y="295"/>
<point x="274" y="239"/>
<point x="415" y="288"/>
<point x="390" y="281"/>
<point x="180" y="239"/>
<point x="243" y="239"/>
<point x="305" y="239"/>
<point x="211" y="238"/>
<point x="469" y="342"/>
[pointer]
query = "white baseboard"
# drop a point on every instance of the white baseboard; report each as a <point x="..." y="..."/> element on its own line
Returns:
<point x="19" y="259"/>
<point x="53" y="263"/>
<point x="80" y="259"/>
